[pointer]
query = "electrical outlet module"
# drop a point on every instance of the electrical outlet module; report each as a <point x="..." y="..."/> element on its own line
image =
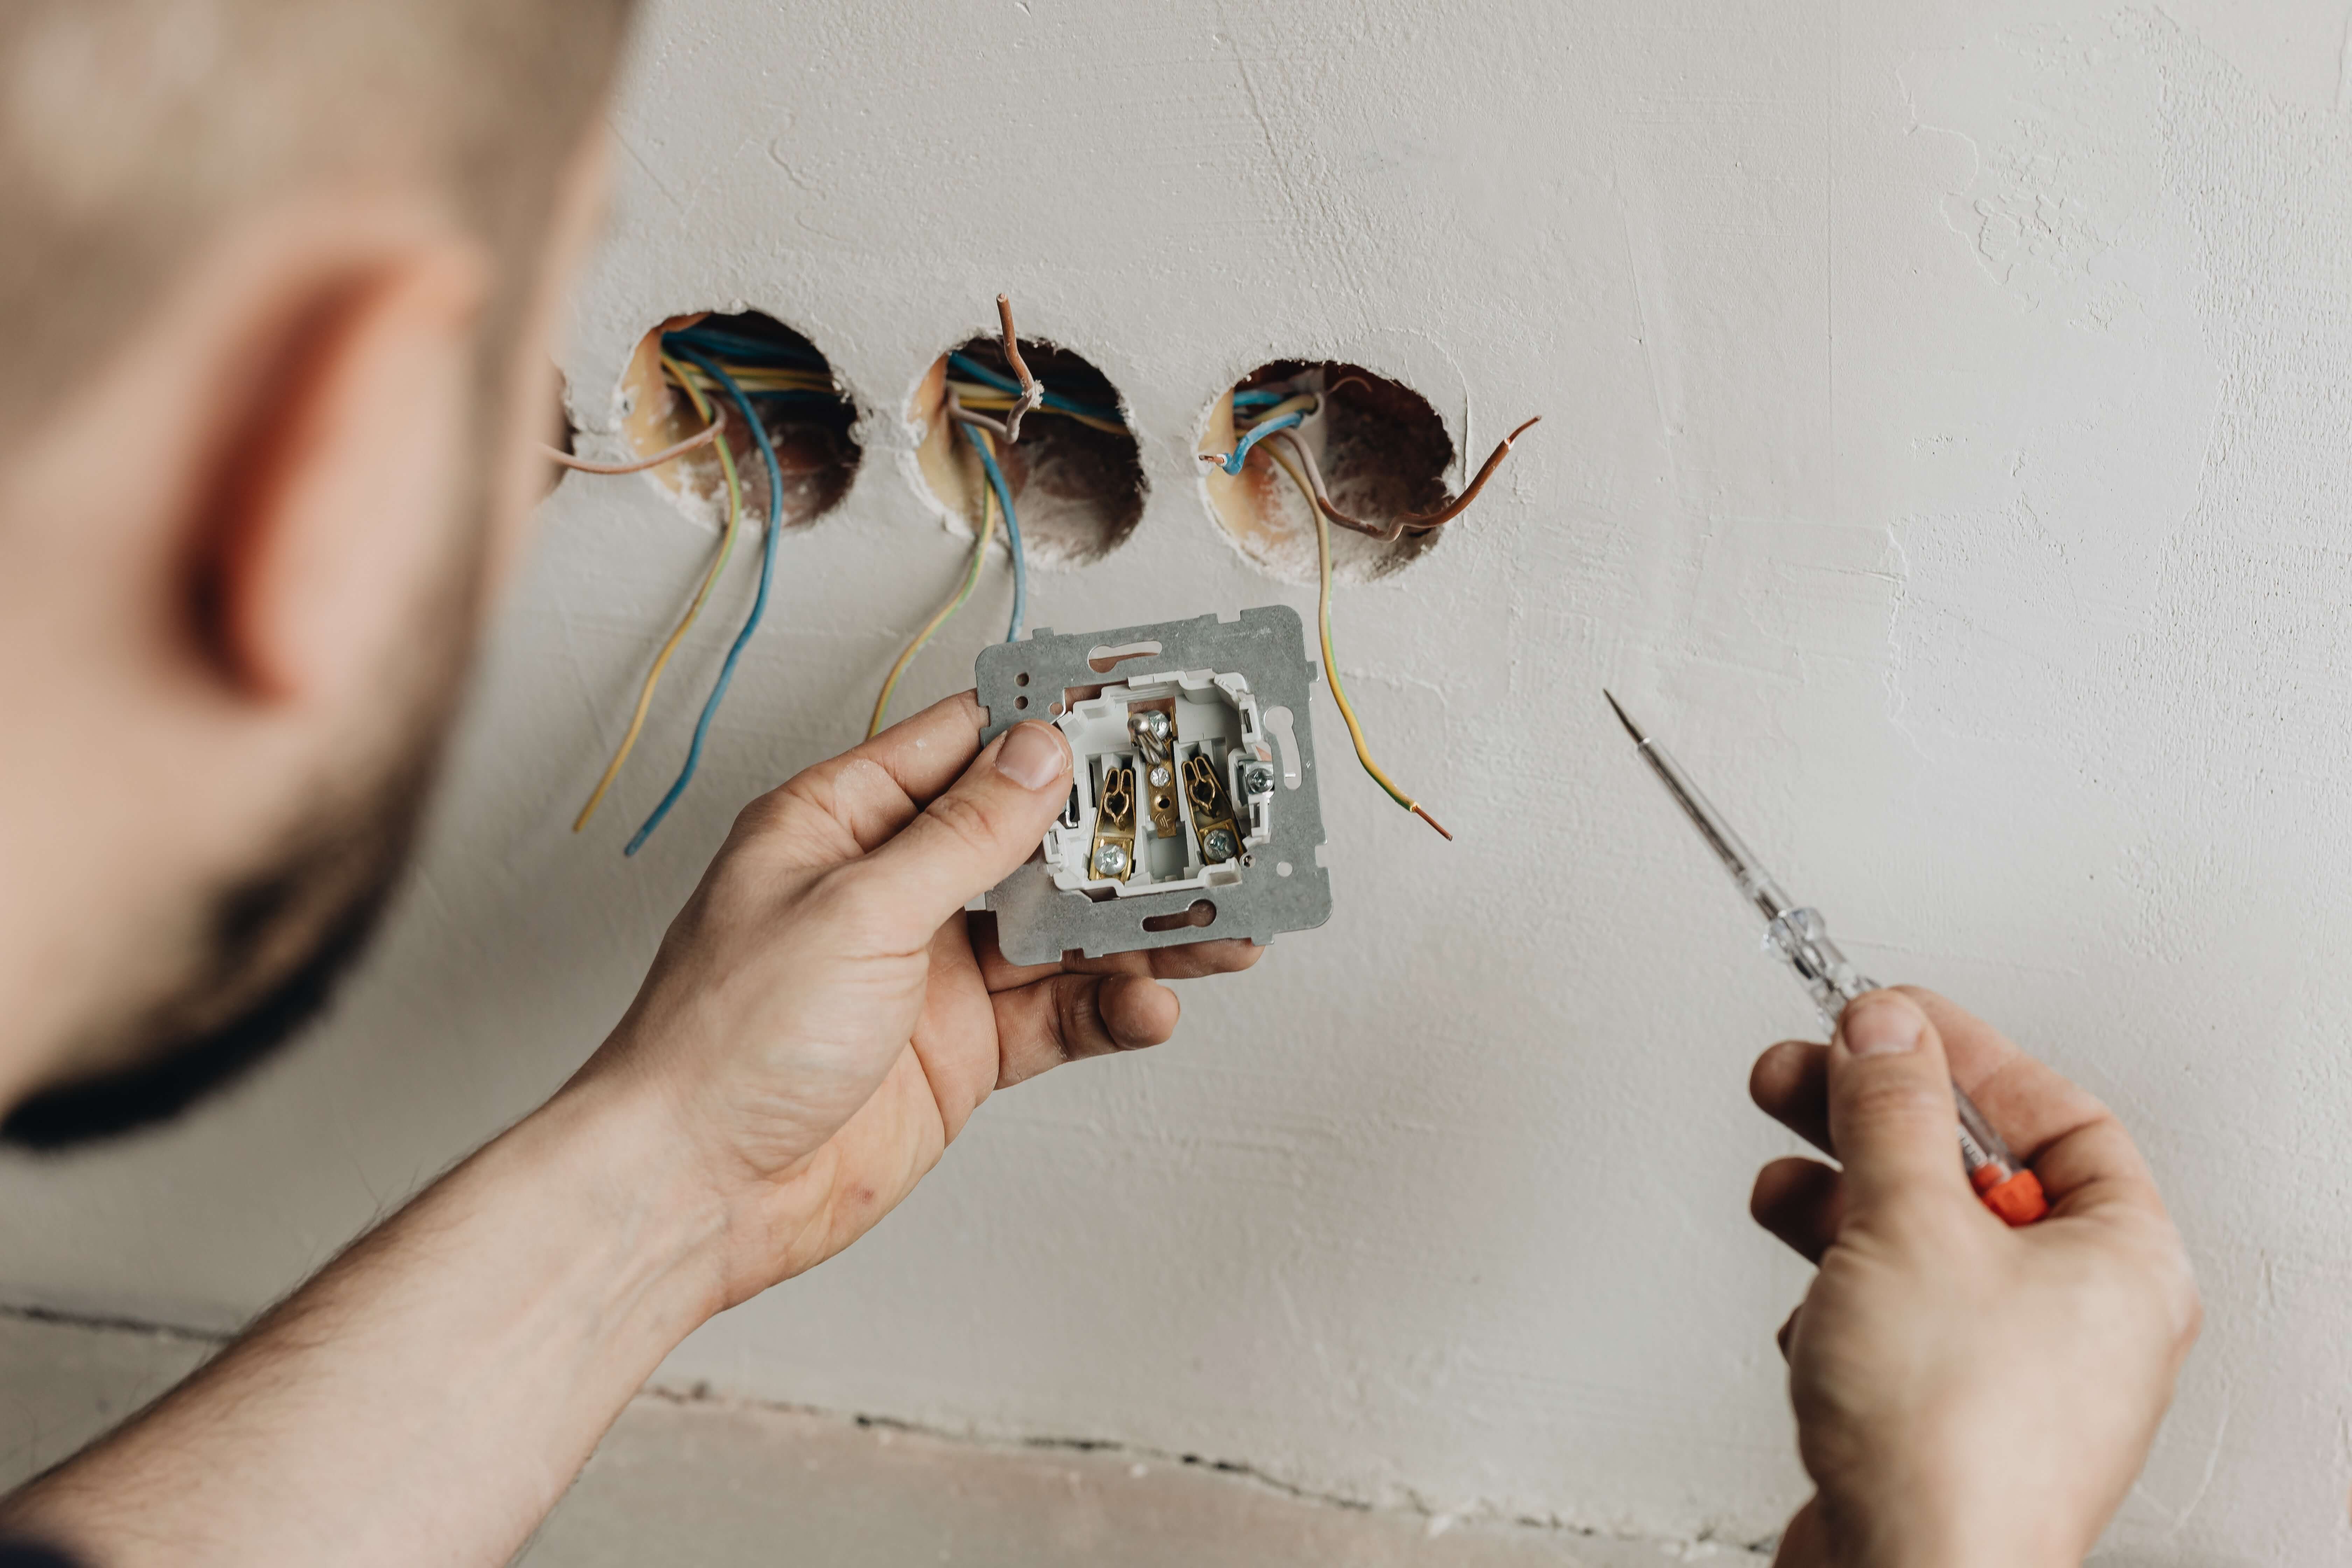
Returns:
<point x="1193" y="813"/>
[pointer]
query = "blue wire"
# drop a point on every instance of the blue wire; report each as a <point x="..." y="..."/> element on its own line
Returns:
<point x="1091" y="410"/>
<point x="982" y="373"/>
<point x="735" y="345"/>
<point x="988" y="377"/>
<point x="1012" y="531"/>
<point x="1233" y="464"/>
<point x="758" y="605"/>
<point x="1267" y="399"/>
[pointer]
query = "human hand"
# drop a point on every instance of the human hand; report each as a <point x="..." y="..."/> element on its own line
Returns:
<point x="822" y="1018"/>
<point x="1966" y="1395"/>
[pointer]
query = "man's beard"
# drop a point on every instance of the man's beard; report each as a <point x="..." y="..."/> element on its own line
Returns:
<point x="322" y="902"/>
<point x="276" y="940"/>
<point x="278" y="943"/>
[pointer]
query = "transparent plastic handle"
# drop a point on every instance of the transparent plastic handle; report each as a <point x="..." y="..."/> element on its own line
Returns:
<point x="1801" y="939"/>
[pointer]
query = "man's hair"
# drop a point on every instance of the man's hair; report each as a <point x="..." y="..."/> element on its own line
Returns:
<point x="132" y="134"/>
<point x="131" y="131"/>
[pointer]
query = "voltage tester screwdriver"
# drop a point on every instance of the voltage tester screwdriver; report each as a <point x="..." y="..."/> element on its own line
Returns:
<point x="1802" y="938"/>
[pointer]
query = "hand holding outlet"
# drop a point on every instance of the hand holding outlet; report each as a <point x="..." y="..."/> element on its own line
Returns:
<point x="821" y="1018"/>
<point x="1965" y="1392"/>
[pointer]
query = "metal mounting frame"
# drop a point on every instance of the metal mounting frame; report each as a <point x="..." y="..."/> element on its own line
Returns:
<point x="1037" y="922"/>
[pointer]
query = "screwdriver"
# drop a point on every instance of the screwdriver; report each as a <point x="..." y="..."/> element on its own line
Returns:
<point x="1802" y="937"/>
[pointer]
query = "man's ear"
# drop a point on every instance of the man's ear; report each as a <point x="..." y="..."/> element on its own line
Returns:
<point x="335" y="485"/>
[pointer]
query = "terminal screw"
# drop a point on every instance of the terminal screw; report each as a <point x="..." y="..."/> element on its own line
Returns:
<point x="1218" y="845"/>
<point x="1257" y="779"/>
<point x="1110" y="861"/>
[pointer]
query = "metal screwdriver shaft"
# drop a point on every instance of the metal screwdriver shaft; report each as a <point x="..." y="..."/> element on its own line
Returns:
<point x="1802" y="938"/>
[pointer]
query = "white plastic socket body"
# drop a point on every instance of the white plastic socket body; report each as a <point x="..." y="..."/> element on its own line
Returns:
<point x="1213" y="716"/>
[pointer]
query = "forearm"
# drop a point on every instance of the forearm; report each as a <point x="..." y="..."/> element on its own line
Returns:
<point x="430" y="1395"/>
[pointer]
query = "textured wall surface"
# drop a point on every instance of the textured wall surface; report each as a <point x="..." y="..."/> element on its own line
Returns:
<point x="1947" y="451"/>
<point x="698" y="1479"/>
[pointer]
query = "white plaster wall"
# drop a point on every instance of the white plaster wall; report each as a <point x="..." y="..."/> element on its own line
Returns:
<point x="1945" y="447"/>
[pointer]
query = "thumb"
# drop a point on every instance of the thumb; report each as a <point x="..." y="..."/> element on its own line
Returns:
<point x="972" y="837"/>
<point x="1892" y="1118"/>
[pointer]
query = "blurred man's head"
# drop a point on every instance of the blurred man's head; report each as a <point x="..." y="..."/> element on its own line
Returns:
<point x="276" y="280"/>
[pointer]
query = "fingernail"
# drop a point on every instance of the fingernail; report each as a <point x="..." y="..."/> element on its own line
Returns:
<point x="1033" y="755"/>
<point x="1881" y="1029"/>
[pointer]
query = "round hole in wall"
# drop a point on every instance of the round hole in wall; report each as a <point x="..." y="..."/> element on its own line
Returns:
<point x="1075" y="472"/>
<point x="1379" y="448"/>
<point x="567" y="442"/>
<point x="807" y="415"/>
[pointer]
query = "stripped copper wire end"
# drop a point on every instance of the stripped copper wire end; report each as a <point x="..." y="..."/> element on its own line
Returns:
<point x="1424" y="815"/>
<point x="1425" y="521"/>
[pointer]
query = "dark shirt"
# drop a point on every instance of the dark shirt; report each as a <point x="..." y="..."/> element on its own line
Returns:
<point x="25" y="1554"/>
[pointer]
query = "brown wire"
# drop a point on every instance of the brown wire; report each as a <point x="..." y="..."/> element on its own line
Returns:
<point x="1032" y="391"/>
<point x="696" y="442"/>
<point x="1425" y="522"/>
<point x="1421" y="522"/>
<point x="1299" y="449"/>
<point x="1011" y="343"/>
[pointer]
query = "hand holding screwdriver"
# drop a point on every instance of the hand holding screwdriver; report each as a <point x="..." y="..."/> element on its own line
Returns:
<point x="1965" y="1394"/>
<point x="1800" y="937"/>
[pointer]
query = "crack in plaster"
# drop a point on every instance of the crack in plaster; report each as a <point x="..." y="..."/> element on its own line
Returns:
<point x="701" y="1395"/>
<point x="1439" y="1519"/>
<point x="112" y="1324"/>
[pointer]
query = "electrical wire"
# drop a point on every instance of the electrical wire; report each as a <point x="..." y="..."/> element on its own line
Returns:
<point x="789" y="385"/>
<point x="1306" y="404"/>
<point x="1270" y="419"/>
<point x="694" y="443"/>
<point x="975" y="396"/>
<point x="985" y="444"/>
<point x="1330" y="660"/>
<point x="754" y="377"/>
<point x="719" y="564"/>
<point x="744" y="349"/>
<point x="963" y="365"/>
<point x="1421" y="522"/>
<point x="1032" y="391"/>
<point x="930" y="627"/>
<point x="988" y="390"/>
<point x="1322" y="500"/>
<point x="1231" y="461"/>
<point x="960" y="412"/>
<point x="758" y="605"/>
